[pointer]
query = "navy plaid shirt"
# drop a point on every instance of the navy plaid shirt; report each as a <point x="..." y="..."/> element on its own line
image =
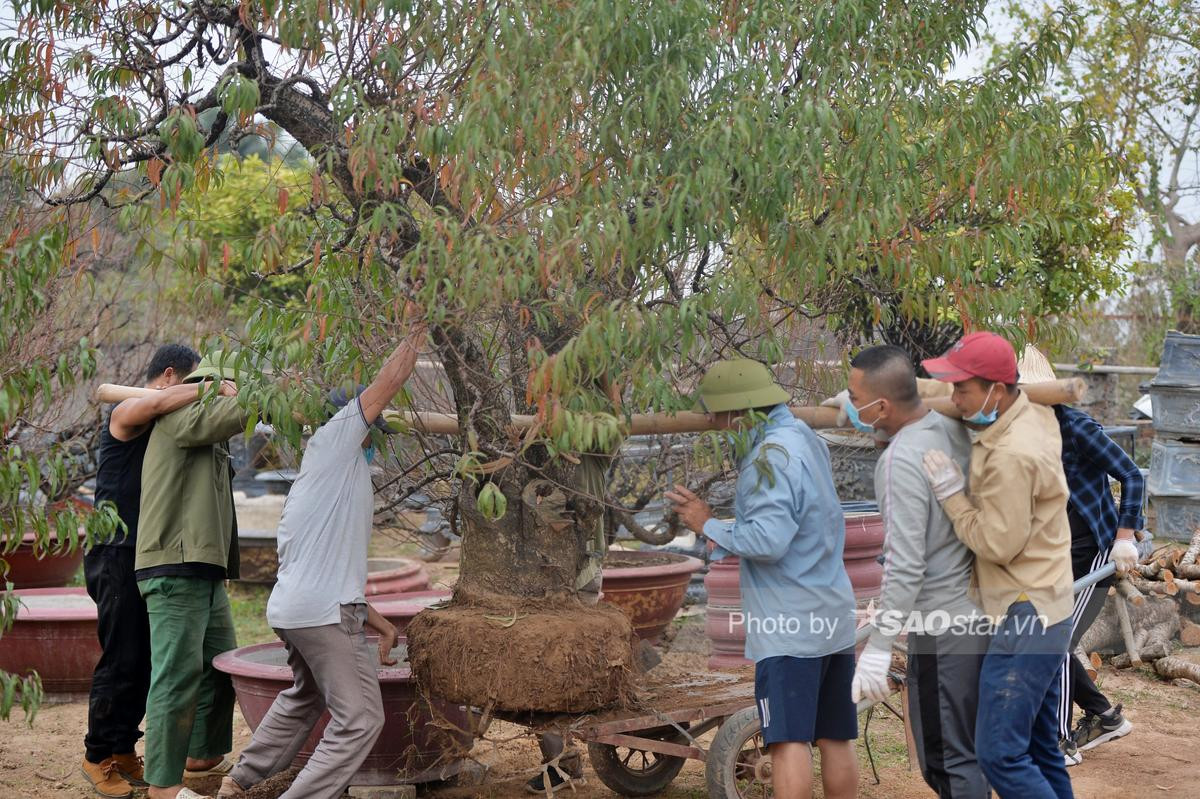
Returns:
<point x="1089" y="458"/>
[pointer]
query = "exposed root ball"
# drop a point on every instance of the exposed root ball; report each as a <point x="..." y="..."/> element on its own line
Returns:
<point x="565" y="660"/>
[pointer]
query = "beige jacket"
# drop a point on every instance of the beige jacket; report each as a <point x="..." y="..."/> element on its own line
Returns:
<point x="1015" y="517"/>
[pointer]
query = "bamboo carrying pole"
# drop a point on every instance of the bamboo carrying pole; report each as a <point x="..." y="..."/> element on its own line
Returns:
<point x="1067" y="390"/>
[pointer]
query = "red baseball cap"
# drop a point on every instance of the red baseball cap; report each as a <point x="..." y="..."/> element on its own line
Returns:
<point x="982" y="354"/>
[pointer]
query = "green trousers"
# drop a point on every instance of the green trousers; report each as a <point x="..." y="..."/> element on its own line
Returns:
<point x="189" y="710"/>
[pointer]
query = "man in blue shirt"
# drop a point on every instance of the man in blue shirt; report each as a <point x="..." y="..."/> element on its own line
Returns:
<point x="797" y="600"/>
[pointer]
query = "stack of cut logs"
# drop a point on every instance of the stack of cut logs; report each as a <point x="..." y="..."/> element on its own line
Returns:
<point x="1146" y="610"/>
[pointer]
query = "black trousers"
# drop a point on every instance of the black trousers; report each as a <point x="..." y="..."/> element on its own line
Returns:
<point x="943" y="695"/>
<point x="122" y="677"/>
<point x="1076" y="687"/>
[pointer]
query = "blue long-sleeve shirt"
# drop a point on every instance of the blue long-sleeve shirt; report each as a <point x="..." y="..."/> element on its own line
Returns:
<point x="789" y="532"/>
<point x="1089" y="458"/>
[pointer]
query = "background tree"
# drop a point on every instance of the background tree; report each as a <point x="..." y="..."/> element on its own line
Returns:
<point x="1135" y="71"/>
<point x="586" y="202"/>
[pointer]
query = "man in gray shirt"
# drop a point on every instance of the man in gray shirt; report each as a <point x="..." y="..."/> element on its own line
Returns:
<point x="318" y="606"/>
<point x="926" y="577"/>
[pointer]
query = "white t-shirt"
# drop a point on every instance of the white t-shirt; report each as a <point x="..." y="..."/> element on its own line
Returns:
<point x="325" y="527"/>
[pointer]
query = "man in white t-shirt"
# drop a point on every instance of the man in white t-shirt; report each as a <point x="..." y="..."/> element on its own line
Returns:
<point x="318" y="606"/>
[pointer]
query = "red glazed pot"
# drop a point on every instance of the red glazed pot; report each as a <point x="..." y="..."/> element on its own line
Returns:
<point x="864" y="543"/>
<point x="724" y="599"/>
<point x="650" y="595"/>
<point x="28" y="570"/>
<point x="412" y="747"/>
<point x="395" y="576"/>
<point x="55" y="635"/>
<point x="399" y="609"/>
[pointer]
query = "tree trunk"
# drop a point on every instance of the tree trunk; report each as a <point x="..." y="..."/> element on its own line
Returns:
<point x="516" y="637"/>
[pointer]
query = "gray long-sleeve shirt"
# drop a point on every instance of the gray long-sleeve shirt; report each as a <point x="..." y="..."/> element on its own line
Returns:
<point x="926" y="568"/>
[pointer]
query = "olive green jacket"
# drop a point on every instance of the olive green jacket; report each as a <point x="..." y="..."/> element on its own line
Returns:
<point x="187" y="498"/>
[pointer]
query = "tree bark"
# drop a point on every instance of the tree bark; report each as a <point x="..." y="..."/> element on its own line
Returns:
<point x="533" y="552"/>
<point x="1174" y="668"/>
<point x="1104" y="636"/>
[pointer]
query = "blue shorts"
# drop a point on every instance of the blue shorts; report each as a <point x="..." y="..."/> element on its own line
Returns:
<point x="806" y="699"/>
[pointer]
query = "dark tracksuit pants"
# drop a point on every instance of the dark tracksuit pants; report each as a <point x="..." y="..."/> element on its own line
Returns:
<point x="943" y="694"/>
<point x="122" y="677"/>
<point x="1076" y="685"/>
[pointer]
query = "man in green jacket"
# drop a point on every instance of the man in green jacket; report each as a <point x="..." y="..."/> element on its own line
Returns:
<point x="186" y="549"/>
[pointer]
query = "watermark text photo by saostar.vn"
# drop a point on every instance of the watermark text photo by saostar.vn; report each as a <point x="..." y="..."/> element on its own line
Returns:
<point x="889" y="622"/>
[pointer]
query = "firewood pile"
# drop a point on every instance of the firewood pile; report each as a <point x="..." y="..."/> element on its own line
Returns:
<point x="1146" y="611"/>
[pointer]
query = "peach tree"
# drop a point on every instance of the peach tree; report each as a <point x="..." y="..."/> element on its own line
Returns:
<point x="584" y="201"/>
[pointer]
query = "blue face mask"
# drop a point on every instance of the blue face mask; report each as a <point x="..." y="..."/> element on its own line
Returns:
<point x="369" y="452"/>
<point x="979" y="417"/>
<point x="856" y="420"/>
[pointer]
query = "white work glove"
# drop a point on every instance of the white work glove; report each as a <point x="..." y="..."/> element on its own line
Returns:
<point x="1124" y="554"/>
<point x="945" y="478"/>
<point x="870" y="676"/>
<point x="839" y="401"/>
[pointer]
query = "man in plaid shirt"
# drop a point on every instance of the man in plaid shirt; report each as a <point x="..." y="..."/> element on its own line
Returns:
<point x="1100" y="532"/>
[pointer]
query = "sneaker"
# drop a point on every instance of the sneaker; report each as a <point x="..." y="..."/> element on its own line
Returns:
<point x="1070" y="752"/>
<point x="105" y="779"/>
<point x="557" y="782"/>
<point x="1093" y="730"/>
<point x="132" y="768"/>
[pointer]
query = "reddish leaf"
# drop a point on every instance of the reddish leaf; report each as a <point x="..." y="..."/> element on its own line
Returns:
<point x="154" y="168"/>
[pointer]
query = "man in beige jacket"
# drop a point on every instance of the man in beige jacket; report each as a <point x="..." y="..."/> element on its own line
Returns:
<point x="1015" y="521"/>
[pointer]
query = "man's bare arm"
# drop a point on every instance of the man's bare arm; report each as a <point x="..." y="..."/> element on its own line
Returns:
<point x="131" y="417"/>
<point x="391" y="378"/>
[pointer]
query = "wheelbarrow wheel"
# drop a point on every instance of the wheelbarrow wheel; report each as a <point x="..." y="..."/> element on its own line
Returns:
<point x="636" y="772"/>
<point x="739" y="766"/>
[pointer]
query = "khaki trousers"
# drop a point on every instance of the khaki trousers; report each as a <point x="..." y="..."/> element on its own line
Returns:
<point x="334" y="669"/>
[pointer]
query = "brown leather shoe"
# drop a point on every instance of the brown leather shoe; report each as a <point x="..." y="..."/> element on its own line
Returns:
<point x="132" y="768"/>
<point x="105" y="780"/>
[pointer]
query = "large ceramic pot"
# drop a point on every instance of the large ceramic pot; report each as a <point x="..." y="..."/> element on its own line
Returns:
<point x="414" y="746"/>
<point x="395" y="576"/>
<point x="648" y="586"/>
<point x="31" y="569"/>
<point x="864" y="544"/>
<point x="54" y="634"/>
<point x="722" y="621"/>
<point x="399" y="609"/>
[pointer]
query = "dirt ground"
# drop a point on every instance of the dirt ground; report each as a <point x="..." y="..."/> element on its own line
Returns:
<point x="1158" y="759"/>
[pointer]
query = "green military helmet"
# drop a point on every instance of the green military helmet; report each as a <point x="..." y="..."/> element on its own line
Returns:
<point x="738" y="384"/>
<point x="217" y="365"/>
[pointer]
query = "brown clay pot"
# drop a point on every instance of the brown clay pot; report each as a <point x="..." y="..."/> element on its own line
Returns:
<point x="54" y="634"/>
<point x="395" y="576"/>
<point x="414" y="746"/>
<point x="31" y="569"/>
<point x="650" y="594"/>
